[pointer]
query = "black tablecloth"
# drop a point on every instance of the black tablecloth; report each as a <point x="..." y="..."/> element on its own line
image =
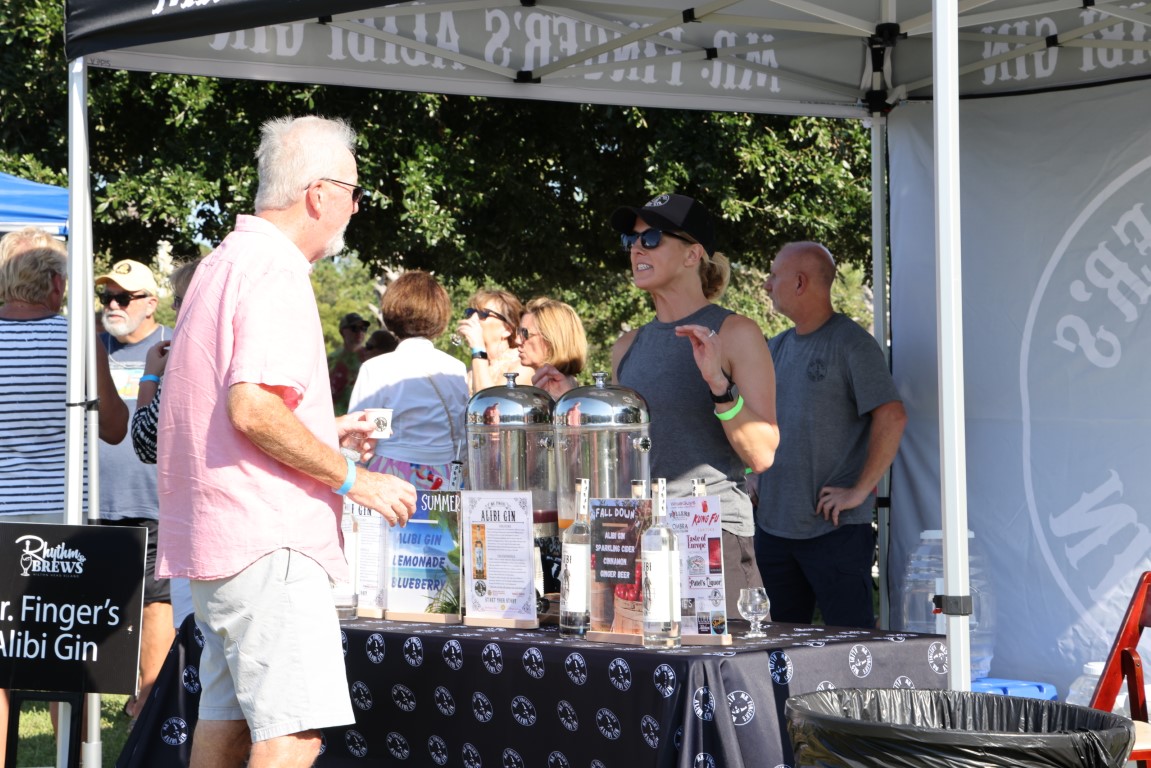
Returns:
<point x="427" y="694"/>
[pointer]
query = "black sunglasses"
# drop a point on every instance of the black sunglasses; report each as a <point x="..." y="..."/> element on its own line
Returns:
<point x="649" y="238"/>
<point x="485" y="314"/>
<point x="358" y="192"/>
<point x="123" y="299"/>
<point x="525" y="334"/>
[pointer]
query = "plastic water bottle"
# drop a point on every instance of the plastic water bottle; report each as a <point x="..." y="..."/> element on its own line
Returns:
<point x="1083" y="687"/>
<point x="923" y="579"/>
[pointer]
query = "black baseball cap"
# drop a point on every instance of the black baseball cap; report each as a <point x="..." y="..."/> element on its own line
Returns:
<point x="354" y="320"/>
<point x="673" y="213"/>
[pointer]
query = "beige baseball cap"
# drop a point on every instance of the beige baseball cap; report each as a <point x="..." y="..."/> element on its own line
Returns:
<point x="131" y="276"/>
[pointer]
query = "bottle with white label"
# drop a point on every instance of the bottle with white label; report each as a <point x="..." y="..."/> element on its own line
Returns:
<point x="659" y="561"/>
<point x="575" y="576"/>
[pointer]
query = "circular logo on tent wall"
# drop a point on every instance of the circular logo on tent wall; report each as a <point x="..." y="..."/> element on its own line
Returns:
<point x="1083" y="371"/>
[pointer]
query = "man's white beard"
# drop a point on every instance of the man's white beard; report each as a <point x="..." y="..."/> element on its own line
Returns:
<point x="121" y="327"/>
<point x="336" y="244"/>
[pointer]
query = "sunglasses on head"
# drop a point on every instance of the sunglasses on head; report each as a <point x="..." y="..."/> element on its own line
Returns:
<point x="649" y="238"/>
<point x="123" y="299"/>
<point x="485" y="314"/>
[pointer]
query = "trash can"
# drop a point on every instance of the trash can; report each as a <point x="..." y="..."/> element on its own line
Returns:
<point x="906" y="728"/>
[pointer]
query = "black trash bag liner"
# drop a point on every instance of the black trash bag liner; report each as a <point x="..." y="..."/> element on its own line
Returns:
<point x="904" y="728"/>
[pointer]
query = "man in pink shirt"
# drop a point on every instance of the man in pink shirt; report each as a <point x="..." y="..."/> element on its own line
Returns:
<point x="251" y="477"/>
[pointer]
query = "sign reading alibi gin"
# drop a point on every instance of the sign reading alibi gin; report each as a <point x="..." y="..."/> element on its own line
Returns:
<point x="71" y="598"/>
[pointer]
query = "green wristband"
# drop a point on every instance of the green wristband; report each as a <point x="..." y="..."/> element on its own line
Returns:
<point x="730" y="414"/>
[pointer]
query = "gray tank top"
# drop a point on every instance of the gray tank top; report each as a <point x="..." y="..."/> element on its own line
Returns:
<point x="687" y="440"/>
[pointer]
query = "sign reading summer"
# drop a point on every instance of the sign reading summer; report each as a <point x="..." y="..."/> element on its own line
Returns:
<point x="71" y="597"/>
<point x="424" y="559"/>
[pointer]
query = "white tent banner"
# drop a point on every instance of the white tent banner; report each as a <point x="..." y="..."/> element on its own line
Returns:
<point x="1057" y="276"/>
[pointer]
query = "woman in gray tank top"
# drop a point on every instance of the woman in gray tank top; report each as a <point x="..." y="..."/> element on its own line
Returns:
<point x="705" y="371"/>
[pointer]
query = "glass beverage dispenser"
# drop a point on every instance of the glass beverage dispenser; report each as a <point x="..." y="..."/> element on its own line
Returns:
<point x="601" y="434"/>
<point x="510" y="449"/>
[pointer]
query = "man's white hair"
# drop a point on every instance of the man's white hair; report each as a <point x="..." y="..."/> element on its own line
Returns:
<point x="295" y="152"/>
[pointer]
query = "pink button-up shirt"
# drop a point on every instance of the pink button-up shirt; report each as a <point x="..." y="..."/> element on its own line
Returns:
<point x="249" y="317"/>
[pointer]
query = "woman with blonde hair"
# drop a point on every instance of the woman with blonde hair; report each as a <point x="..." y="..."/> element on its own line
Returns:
<point x="552" y="340"/>
<point x="705" y="371"/>
<point x="489" y="329"/>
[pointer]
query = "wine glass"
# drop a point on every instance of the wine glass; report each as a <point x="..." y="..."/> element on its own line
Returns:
<point x="753" y="605"/>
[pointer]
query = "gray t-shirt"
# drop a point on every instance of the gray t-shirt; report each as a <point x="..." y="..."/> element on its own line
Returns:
<point x="827" y="384"/>
<point x="687" y="440"/>
<point x="127" y="485"/>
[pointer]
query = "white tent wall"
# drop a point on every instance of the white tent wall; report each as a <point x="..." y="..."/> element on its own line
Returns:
<point x="1056" y="241"/>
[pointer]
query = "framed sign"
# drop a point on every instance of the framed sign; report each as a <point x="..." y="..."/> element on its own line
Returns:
<point x="496" y="537"/>
<point x="423" y="581"/>
<point x="71" y="598"/>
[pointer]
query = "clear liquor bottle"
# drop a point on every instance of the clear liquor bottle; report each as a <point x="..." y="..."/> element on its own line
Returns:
<point x="660" y="562"/>
<point x="575" y="576"/>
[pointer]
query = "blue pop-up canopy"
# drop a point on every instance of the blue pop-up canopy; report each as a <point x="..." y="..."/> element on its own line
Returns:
<point x="26" y="203"/>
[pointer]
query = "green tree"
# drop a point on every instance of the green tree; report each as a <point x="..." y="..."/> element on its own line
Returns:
<point x="478" y="191"/>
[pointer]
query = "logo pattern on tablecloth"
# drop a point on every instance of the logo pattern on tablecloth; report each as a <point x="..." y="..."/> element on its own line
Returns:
<point x="198" y="635"/>
<point x="742" y="707"/>
<point x="445" y="703"/>
<point x="472" y="757"/>
<point x="398" y="746"/>
<point x="414" y="651"/>
<point x="493" y="658"/>
<point x="558" y="760"/>
<point x="374" y="648"/>
<point x="523" y="711"/>
<point x="703" y="760"/>
<point x="356" y="743"/>
<point x="781" y="666"/>
<point x="174" y="731"/>
<point x="190" y="678"/>
<point x="860" y="660"/>
<point x="825" y="685"/>
<point x="403" y="697"/>
<point x="608" y="724"/>
<point x="678" y="738"/>
<point x="511" y="759"/>
<point x="453" y="654"/>
<point x="619" y="673"/>
<point x="362" y="696"/>
<point x="344" y="642"/>
<point x="482" y="707"/>
<point x="938" y="657"/>
<point x="576" y="667"/>
<point x="664" y="679"/>
<point x="903" y="681"/>
<point x="438" y="749"/>
<point x="649" y="729"/>
<point x="703" y="703"/>
<point x="567" y="715"/>
<point x="533" y="661"/>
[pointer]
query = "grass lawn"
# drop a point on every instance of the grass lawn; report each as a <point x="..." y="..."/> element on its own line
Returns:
<point x="37" y="746"/>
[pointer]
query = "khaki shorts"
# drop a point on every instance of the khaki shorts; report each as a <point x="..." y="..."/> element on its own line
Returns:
<point x="273" y="654"/>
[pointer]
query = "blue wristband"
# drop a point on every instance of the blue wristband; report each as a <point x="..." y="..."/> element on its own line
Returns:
<point x="150" y="377"/>
<point x="349" y="479"/>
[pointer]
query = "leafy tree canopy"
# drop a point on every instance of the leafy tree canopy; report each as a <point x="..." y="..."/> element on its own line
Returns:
<point x="481" y="192"/>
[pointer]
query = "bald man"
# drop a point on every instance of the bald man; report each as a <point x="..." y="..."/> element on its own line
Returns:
<point x="840" y="422"/>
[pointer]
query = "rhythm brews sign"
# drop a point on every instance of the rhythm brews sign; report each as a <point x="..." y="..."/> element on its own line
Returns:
<point x="70" y="604"/>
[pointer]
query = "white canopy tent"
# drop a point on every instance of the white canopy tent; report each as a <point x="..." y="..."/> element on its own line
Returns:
<point x="839" y="58"/>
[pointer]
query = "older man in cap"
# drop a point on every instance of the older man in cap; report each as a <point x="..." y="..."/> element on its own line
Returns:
<point x="344" y="363"/>
<point x="128" y="486"/>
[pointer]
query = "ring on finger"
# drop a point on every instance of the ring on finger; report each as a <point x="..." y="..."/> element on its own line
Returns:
<point x="711" y="334"/>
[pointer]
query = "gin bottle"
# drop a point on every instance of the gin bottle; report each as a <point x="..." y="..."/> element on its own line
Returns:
<point x="659" y="560"/>
<point x="575" y="576"/>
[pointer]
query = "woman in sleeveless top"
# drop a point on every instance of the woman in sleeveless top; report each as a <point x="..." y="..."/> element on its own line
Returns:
<point x="489" y="329"/>
<point x="705" y="371"/>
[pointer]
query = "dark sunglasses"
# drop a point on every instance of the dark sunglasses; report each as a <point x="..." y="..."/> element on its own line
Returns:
<point x="485" y="314"/>
<point x="123" y="299"/>
<point x="358" y="192"/>
<point x="524" y="333"/>
<point x="649" y="238"/>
